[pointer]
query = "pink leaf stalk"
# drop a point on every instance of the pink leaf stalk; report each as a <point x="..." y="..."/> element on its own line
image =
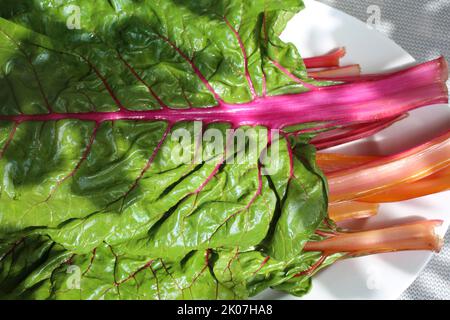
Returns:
<point x="325" y="61"/>
<point x="351" y="133"/>
<point x="339" y="105"/>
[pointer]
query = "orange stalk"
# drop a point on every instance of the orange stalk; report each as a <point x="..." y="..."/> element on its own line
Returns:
<point x="340" y="211"/>
<point x="438" y="182"/>
<point x="418" y="235"/>
<point x="331" y="162"/>
<point x="380" y="175"/>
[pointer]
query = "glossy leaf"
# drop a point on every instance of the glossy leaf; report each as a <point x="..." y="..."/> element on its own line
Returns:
<point x="93" y="202"/>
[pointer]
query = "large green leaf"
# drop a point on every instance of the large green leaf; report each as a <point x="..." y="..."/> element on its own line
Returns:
<point x="108" y="197"/>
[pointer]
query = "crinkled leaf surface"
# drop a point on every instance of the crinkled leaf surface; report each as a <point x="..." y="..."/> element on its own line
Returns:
<point x="101" y="210"/>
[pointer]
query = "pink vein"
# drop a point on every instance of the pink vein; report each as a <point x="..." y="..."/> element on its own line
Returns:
<point x="313" y="268"/>
<point x="44" y="97"/>
<point x="258" y="190"/>
<point x="41" y="90"/>
<point x="264" y="78"/>
<point x="244" y="54"/>
<point x="291" y="158"/>
<point x="13" y="247"/>
<point x="9" y="140"/>
<point x="194" y="67"/>
<point x="264" y="26"/>
<point x="255" y="196"/>
<point x="136" y="75"/>
<point x="187" y="100"/>
<point x="207" y="253"/>
<point x="215" y="170"/>
<point x="228" y="267"/>
<point x="264" y="82"/>
<point x="249" y="204"/>
<point x="91" y="261"/>
<point x="292" y="76"/>
<point x="150" y="161"/>
<point x="83" y="158"/>
<point x="147" y="265"/>
<point x="156" y="281"/>
<point x="211" y="175"/>
<point x="106" y="85"/>
<point x="278" y="65"/>
<point x="263" y="263"/>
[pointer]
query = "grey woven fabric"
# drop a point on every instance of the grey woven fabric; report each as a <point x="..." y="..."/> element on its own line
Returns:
<point x="434" y="281"/>
<point x="422" y="28"/>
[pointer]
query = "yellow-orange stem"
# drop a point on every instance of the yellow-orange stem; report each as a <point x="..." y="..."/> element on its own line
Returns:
<point x="418" y="235"/>
<point x="340" y="211"/>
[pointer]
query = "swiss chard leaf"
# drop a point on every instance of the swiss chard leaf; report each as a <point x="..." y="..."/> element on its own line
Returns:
<point x="83" y="187"/>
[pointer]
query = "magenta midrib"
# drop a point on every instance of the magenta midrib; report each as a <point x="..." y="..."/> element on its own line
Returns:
<point x="290" y="109"/>
<point x="274" y="112"/>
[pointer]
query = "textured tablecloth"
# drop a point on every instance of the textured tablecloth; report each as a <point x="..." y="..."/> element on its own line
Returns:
<point x="422" y="28"/>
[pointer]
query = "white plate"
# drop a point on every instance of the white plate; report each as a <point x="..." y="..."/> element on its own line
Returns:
<point x="317" y="30"/>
